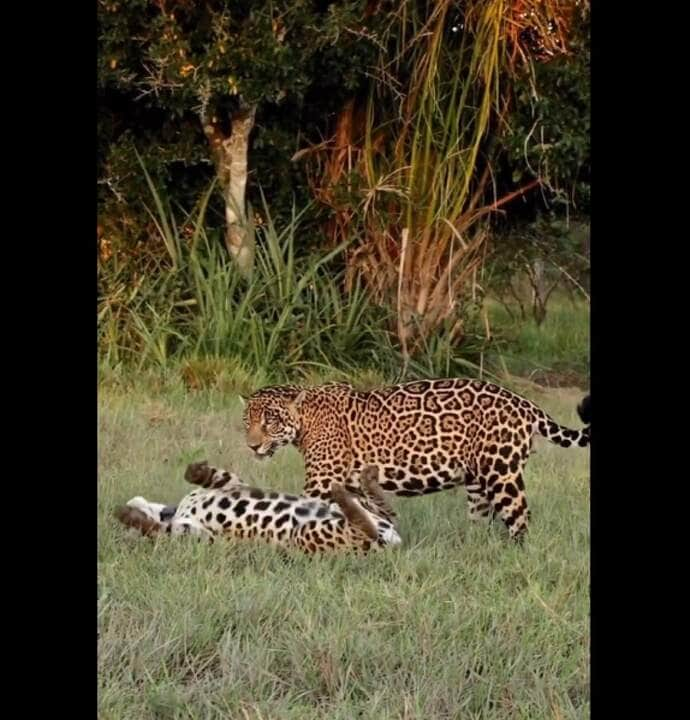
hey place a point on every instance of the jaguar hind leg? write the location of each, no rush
(478, 506)
(507, 497)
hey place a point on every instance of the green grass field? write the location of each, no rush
(456, 623)
(557, 353)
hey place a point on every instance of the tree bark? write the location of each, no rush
(230, 156)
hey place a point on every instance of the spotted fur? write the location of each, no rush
(224, 506)
(424, 436)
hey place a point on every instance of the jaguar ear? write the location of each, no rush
(300, 399)
(297, 402)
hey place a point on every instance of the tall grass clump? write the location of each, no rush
(409, 174)
(291, 319)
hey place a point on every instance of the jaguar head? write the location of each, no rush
(272, 418)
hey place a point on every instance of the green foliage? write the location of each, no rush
(549, 125)
(176, 52)
(166, 291)
(553, 353)
(563, 246)
(292, 318)
(160, 64)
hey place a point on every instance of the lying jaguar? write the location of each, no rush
(223, 505)
(424, 436)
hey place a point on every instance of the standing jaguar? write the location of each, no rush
(225, 506)
(424, 436)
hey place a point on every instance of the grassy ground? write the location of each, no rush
(557, 353)
(456, 623)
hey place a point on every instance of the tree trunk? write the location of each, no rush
(538, 291)
(539, 284)
(230, 155)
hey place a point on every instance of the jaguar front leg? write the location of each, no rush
(368, 487)
(323, 467)
(138, 516)
(508, 501)
(478, 506)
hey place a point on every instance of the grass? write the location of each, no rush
(191, 315)
(292, 319)
(554, 354)
(456, 623)
(559, 347)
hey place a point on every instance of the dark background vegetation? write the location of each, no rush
(377, 124)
